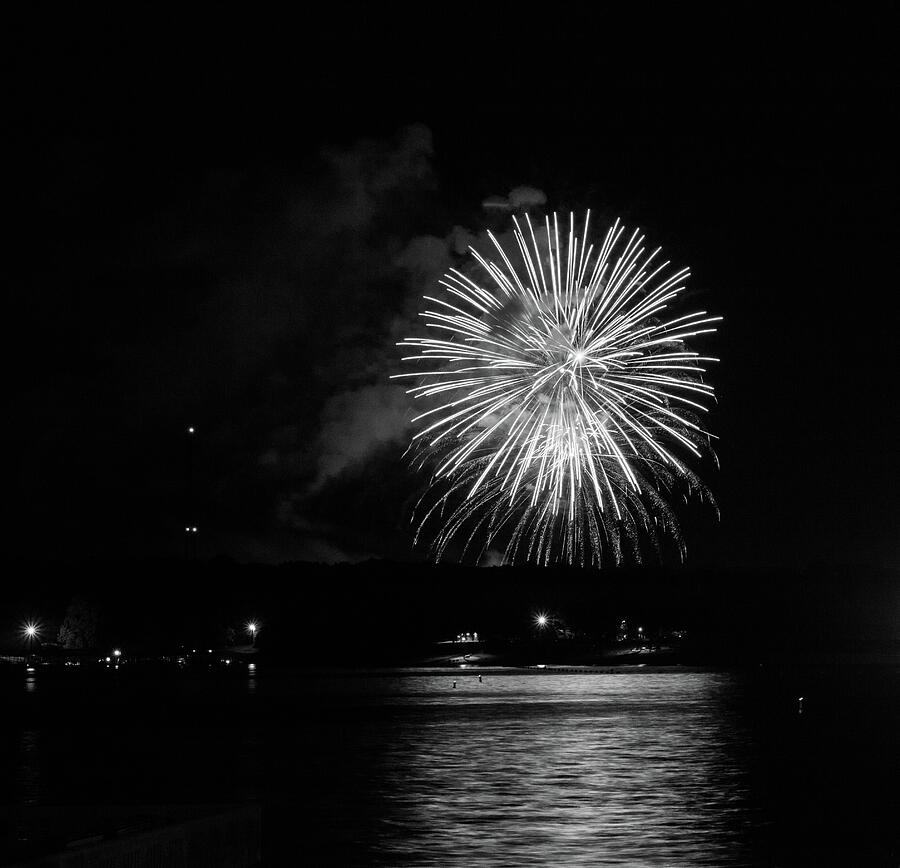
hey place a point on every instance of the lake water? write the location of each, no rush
(624, 768)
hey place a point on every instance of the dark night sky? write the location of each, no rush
(228, 225)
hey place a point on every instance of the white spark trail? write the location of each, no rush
(562, 383)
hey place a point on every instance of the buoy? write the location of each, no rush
(800, 706)
(454, 684)
(479, 679)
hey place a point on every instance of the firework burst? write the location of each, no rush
(561, 394)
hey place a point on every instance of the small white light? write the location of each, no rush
(117, 653)
(191, 430)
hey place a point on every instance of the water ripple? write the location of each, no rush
(550, 770)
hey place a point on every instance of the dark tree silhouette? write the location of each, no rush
(79, 626)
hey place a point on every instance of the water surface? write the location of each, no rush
(630, 767)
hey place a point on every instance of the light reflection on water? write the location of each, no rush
(28, 771)
(633, 767)
(548, 769)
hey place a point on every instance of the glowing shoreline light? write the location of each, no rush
(561, 395)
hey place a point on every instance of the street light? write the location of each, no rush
(31, 634)
(252, 629)
(541, 620)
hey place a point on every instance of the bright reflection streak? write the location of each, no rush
(595, 773)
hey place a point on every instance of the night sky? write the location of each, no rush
(229, 226)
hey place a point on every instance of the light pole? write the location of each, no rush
(190, 542)
(253, 629)
(31, 633)
(190, 531)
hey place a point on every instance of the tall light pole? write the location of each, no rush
(252, 629)
(190, 530)
(31, 634)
